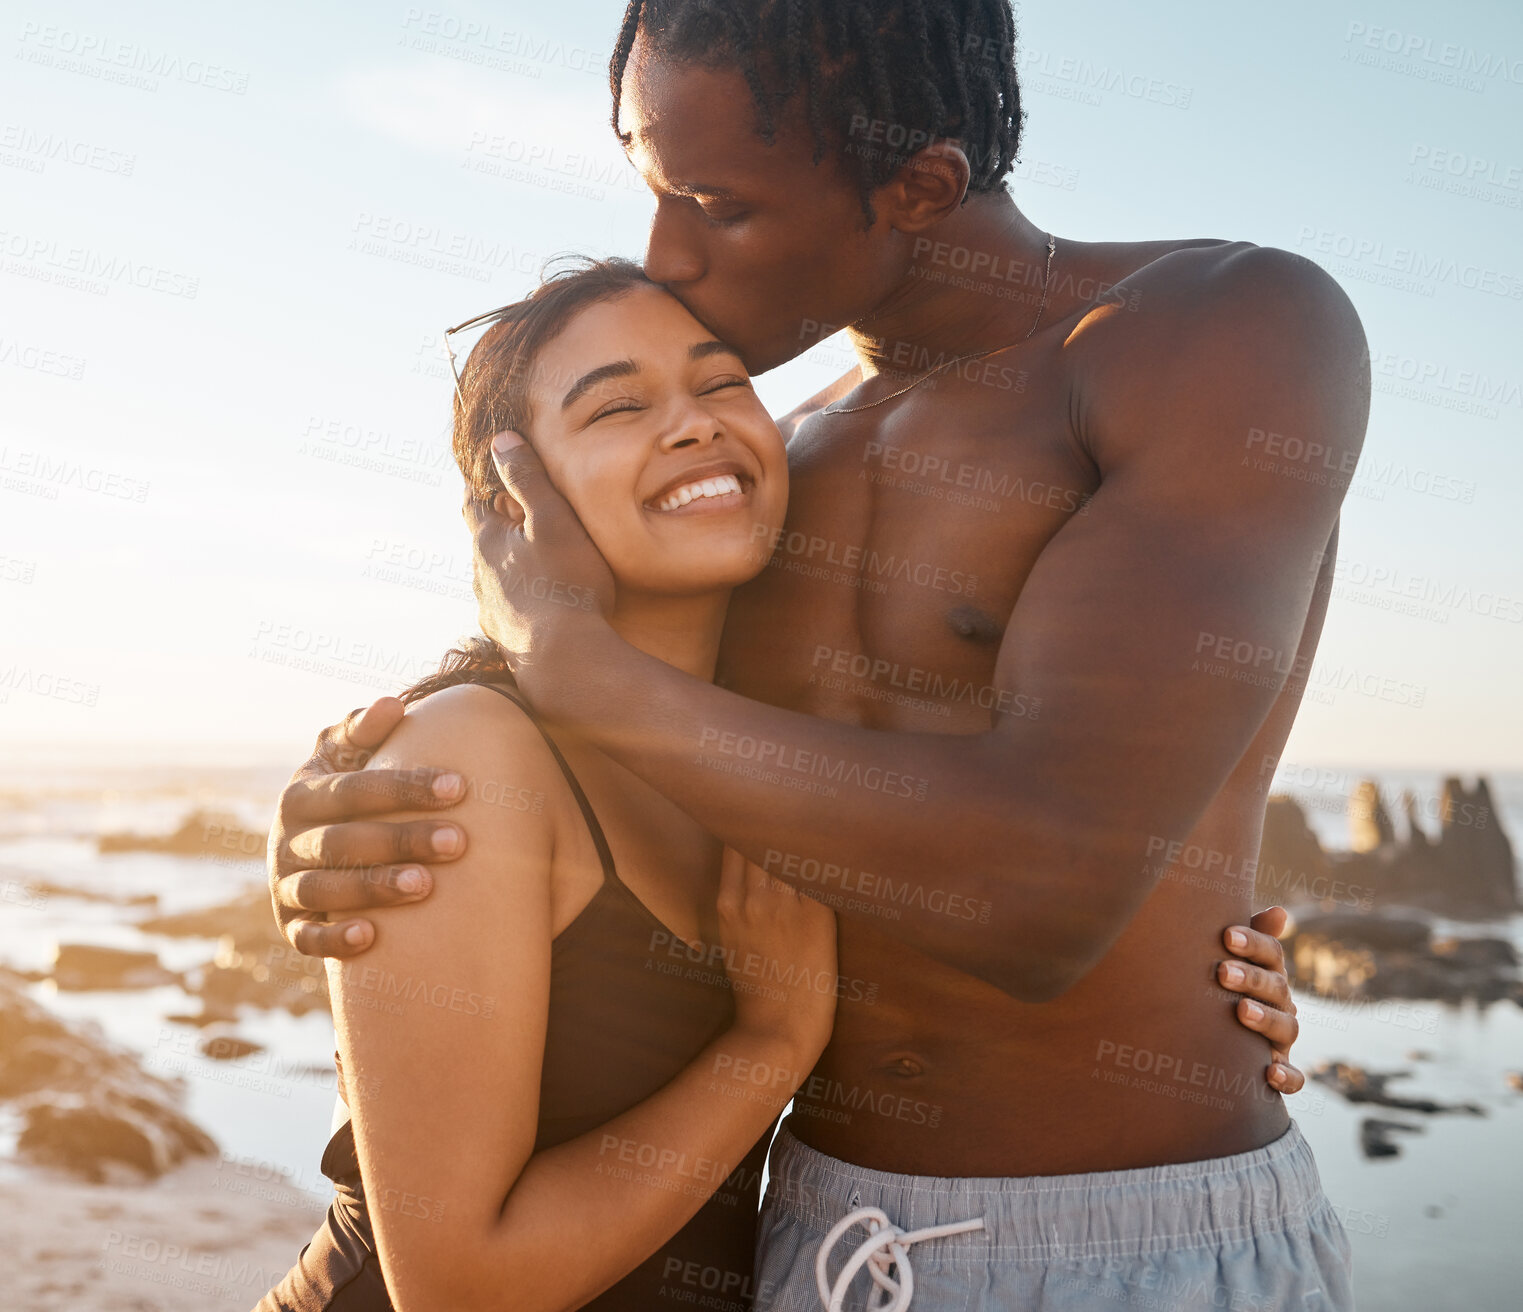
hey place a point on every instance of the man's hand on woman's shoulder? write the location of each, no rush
(330, 856)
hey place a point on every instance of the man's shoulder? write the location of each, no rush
(1200, 323)
(1199, 287)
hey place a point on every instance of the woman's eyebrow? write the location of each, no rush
(701, 350)
(590, 379)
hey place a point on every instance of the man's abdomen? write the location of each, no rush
(1142, 1063)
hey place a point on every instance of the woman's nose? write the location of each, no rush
(691, 426)
(672, 255)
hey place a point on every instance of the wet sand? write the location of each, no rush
(209, 1237)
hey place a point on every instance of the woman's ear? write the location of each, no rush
(506, 506)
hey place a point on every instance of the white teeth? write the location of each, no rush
(723, 485)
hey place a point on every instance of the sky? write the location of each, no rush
(230, 237)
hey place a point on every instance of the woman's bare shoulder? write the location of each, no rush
(486, 738)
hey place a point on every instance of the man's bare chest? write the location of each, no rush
(887, 593)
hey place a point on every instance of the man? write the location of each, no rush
(1009, 696)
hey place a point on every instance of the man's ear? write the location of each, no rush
(506, 505)
(927, 188)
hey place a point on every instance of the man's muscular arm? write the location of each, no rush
(1157, 629)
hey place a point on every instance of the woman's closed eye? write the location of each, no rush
(719, 384)
(618, 406)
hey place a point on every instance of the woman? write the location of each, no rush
(563, 1068)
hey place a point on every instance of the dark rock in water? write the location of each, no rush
(83, 1133)
(254, 965)
(1349, 957)
(1481, 953)
(1375, 1136)
(227, 1047)
(85, 1105)
(1358, 1085)
(1466, 871)
(85, 966)
(1381, 932)
(45, 888)
(203, 833)
(248, 921)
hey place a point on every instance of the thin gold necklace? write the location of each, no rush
(1041, 309)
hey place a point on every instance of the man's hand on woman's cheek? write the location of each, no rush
(330, 857)
(539, 578)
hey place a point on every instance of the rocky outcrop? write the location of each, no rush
(1466, 871)
(84, 966)
(254, 965)
(84, 1105)
(1354, 957)
(204, 833)
(1370, 827)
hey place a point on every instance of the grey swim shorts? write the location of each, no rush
(1248, 1233)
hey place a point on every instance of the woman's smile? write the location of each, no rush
(713, 488)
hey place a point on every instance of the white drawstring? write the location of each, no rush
(882, 1234)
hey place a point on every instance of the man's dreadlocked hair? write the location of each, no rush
(881, 78)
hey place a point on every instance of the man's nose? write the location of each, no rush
(671, 253)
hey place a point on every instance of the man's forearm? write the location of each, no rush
(943, 840)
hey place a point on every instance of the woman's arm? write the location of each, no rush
(442, 1027)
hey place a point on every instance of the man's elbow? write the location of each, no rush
(1042, 954)
(1038, 977)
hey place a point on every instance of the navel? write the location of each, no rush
(973, 624)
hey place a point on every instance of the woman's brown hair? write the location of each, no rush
(495, 389)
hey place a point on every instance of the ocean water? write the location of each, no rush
(1432, 1228)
